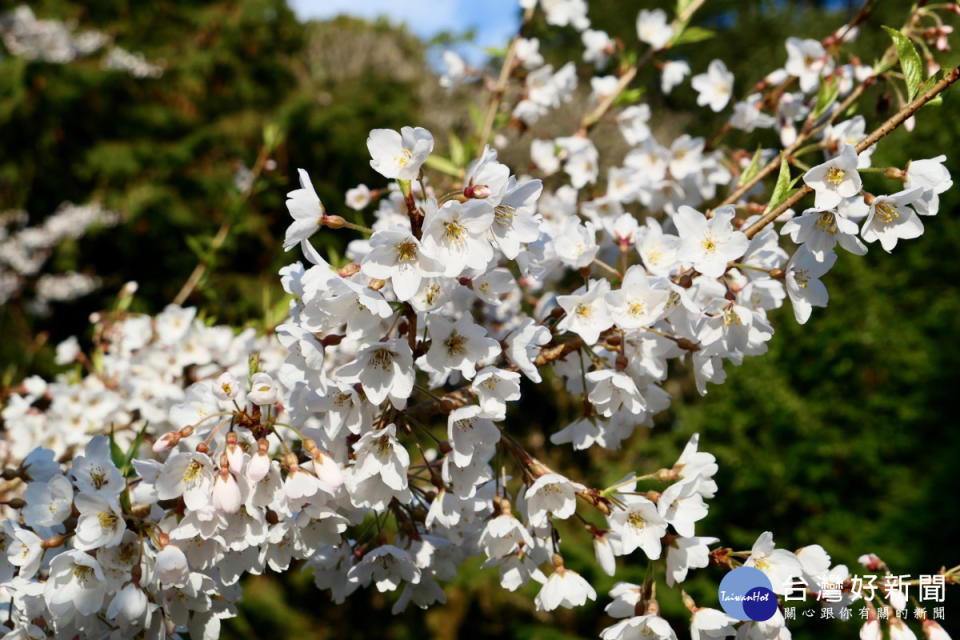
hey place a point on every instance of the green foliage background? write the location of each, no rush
(843, 434)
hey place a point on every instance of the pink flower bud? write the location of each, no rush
(166, 441)
(479, 191)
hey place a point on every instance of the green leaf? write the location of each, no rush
(932, 80)
(628, 97)
(910, 62)
(683, 5)
(495, 52)
(439, 163)
(127, 468)
(476, 116)
(752, 168)
(829, 90)
(116, 453)
(457, 153)
(782, 189)
(272, 136)
(694, 34)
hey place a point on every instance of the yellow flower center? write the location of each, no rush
(827, 222)
(381, 359)
(835, 175)
(886, 213)
(406, 251)
(403, 159)
(455, 343)
(108, 520)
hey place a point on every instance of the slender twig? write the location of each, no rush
(497, 97)
(594, 116)
(194, 279)
(883, 130)
(774, 164)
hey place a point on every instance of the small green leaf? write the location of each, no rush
(272, 136)
(444, 165)
(457, 153)
(693, 34)
(829, 90)
(495, 52)
(782, 189)
(752, 168)
(932, 80)
(910, 63)
(116, 453)
(253, 364)
(628, 97)
(127, 468)
(683, 5)
(198, 245)
(476, 116)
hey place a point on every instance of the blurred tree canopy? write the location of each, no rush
(839, 435)
(171, 154)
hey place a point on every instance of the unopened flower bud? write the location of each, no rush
(166, 441)
(258, 466)
(226, 493)
(348, 270)
(326, 468)
(54, 541)
(203, 447)
(479, 191)
(334, 222)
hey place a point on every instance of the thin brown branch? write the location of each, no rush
(197, 274)
(802, 138)
(501, 87)
(883, 130)
(593, 117)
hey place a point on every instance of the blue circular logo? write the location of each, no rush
(746, 594)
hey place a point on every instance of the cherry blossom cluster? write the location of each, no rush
(369, 436)
(53, 41)
(24, 251)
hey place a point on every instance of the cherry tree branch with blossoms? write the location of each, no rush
(367, 435)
